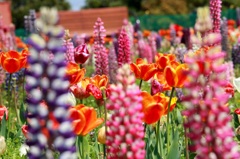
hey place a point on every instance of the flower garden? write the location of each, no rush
(138, 94)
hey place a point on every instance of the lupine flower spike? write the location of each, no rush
(47, 81)
(125, 103)
(101, 62)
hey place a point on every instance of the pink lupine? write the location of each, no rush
(208, 118)
(2, 76)
(100, 52)
(215, 11)
(153, 44)
(113, 65)
(124, 54)
(125, 130)
(68, 44)
(145, 50)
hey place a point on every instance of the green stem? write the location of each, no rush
(15, 106)
(168, 112)
(140, 84)
(158, 135)
(186, 141)
(105, 123)
(83, 154)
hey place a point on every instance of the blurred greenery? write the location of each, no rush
(20, 8)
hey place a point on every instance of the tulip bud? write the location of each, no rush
(3, 110)
(2, 145)
(81, 54)
(25, 130)
(101, 135)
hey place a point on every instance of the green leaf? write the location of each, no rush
(22, 113)
(174, 149)
(236, 121)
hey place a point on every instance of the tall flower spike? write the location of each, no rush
(215, 11)
(125, 130)
(113, 65)
(124, 54)
(208, 118)
(100, 52)
(47, 81)
(68, 44)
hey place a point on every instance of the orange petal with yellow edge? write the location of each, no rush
(170, 76)
(181, 74)
(135, 69)
(91, 119)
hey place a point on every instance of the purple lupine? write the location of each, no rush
(125, 103)
(113, 65)
(236, 55)
(124, 54)
(224, 33)
(215, 12)
(68, 44)
(100, 52)
(29, 22)
(208, 118)
(46, 81)
(180, 51)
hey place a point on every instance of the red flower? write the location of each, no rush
(81, 54)
(94, 91)
(25, 130)
(237, 111)
(3, 110)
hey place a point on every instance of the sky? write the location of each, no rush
(76, 4)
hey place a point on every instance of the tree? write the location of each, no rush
(20, 8)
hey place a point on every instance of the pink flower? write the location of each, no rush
(215, 11)
(125, 103)
(101, 56)
(208, 118)
(124, 54)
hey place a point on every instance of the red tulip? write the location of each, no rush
(3, 110)
(81, 54)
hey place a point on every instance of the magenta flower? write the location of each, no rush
(215, 11)
(68, 44)
(124, 54)
(100, 52)
(208, 118)
(125, 130)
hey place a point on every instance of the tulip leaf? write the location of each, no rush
(22, 113)
(174, 149)
(235, 120)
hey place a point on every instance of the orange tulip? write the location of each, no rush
(84, 119)
(154, 107)
(12, 61)
(74, 73)
(159, 76)
(143, 70)
(99, 81)
(176, 77)
(164, 60)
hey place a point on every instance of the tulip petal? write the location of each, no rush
(170, 76)
(11, 65)
(135, 69)
(153, 113)
(181, 74)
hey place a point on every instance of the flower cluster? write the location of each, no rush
(125, 131)
(46, 81)
(101, 62)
